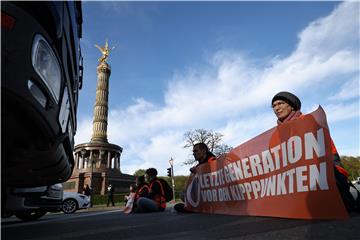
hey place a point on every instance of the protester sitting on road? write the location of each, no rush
(142, 187)
(132, 189)
(142, 190)
(202, 155)
(286, 107)
(155, 200)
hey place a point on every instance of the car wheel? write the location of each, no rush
(69, 206)
(30, 215)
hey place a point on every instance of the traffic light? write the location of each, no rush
(169, 172)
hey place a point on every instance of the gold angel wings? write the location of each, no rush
(105, 51)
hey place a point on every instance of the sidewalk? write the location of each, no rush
(102, 208)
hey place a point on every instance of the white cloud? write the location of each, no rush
(336, 32)
(236, 132)
(342, 111)
(232, 94)
(350, 89)
(84, 131)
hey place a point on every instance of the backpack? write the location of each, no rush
(344, 185)
(168, 191)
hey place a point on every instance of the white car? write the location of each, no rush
(353, 191)
(73, 201)
(31, 203)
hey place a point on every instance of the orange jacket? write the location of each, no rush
(157, 193)
(142, 191)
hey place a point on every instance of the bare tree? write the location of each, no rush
(212, 139)
(223, 148)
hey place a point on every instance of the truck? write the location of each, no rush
(41, 75)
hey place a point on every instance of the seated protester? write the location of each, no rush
(286, 107)
(143, 188)
(132, 189)
(155, 201)
(202, 155)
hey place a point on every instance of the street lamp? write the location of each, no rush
(171, 161)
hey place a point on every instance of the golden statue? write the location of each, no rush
(105, 51)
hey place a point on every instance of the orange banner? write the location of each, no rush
(285, 172)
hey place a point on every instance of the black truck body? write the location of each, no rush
(41, 74)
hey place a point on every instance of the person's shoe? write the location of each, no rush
(180, 207)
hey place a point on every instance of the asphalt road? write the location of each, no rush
(113, 224)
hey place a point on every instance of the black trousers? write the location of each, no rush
(110, 199)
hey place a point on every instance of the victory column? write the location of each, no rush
(97, 163)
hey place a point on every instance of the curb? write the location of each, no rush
(100, 208)
(170, 205)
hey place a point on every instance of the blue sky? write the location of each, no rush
(179, 66)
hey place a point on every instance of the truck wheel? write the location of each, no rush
(30, 215)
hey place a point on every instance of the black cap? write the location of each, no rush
(288, 97)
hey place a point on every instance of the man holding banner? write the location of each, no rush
(202, 155)
(287, 171)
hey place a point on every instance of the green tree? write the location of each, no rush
(139, 172)
(352, 165)
(212, 139)
(180, 183)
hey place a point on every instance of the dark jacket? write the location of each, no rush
(87, 191)
(111, 191)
